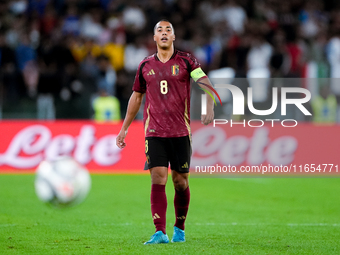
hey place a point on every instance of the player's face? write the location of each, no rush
(164, 35)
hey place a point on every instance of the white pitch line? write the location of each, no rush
(8, 225)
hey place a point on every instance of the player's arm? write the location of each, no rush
(203, 81)
(132, 110)
(209, 117)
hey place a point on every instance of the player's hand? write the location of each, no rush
(120, 139)
(209, 117)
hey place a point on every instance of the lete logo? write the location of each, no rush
(211, 146)
(35, 143)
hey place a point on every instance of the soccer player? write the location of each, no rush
(164, 78)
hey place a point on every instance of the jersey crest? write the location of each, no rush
(175, 70)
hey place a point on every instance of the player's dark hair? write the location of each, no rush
(155, 27)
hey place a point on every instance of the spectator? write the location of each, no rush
(49, 80)
(18, 6)
(296, 52)
(279, 61)
(134, 18)
(81, 47)
(279, 38)
(114, 47)
(134, 53)
(106, 75)
(15, 31)
(106, 107)
(71, 22)
(8, 71)
(259, 54)
(324, 107)
(90, 24)
(25, 52)
(312, 19)
(235, 16)
(203, 50)
(37, 6)
(333, 55)
(26, 57)
(48, 21)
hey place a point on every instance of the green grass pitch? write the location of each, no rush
(226, 216)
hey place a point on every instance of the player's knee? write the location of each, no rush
(158, 178)
(180, 184)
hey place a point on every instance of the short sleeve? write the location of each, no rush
(195, 68)
(193, 62)
(139, 84)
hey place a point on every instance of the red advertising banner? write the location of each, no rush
(304, 149)
(24, 144)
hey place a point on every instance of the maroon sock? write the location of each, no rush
(181, 202)
(158, 206)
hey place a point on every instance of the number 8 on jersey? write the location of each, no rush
(164, 87)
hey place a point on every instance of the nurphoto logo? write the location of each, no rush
(239, 105)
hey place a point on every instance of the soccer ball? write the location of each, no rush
(62, 182)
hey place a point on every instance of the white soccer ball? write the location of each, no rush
(62, 182)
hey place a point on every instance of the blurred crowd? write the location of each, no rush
(62, 53)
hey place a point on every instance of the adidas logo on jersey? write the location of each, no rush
(152, 72)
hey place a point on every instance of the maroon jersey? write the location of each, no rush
(167, 88)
